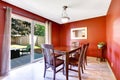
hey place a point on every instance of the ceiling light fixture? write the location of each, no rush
(65, 17)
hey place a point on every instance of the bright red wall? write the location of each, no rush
(113, 37)
(55, 34)
(19, 11)
(96, 31)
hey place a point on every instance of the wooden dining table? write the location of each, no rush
(66, 50)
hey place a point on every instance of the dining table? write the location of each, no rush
(66, 50)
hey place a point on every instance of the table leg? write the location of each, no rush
(66, 65)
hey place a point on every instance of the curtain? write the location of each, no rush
(5, 67)
(48, 31)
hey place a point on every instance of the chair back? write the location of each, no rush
(48, 52)
(86, 48)
(81, 51)
(87, 45)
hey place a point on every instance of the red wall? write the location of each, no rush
(96, 28)
(19, 11)
(113, 37)
(55, 34)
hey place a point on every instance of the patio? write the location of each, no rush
(23, 60)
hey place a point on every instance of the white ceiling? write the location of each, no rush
(52, 9)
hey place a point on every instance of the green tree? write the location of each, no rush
(39, 30)
(20, 27)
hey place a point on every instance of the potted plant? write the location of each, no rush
(101, 45)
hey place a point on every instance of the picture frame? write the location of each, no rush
(79, 33)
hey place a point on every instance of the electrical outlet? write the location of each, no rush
(111, 64)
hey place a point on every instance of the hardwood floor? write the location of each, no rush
(95, 70)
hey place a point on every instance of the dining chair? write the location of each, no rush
(78, 61)
(85, 56)
(50, 60)
(86, 45)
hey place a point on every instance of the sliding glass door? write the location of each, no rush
(26, 38)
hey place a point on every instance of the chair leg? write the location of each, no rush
(70, 66)
(79, 73)
(84, 64)
(54, 74)
(44, 71)
(82, 68)
(86, 60)
(63, 70)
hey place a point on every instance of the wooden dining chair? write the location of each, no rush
(85, 56)
(84, 62)
(50, 60)
(78, 61)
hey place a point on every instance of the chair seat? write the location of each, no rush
(59, 62)
(57, 55)
(76, 56)
(73, 61)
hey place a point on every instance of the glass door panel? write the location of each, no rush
(20, 42)
(39, 38)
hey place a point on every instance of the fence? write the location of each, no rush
(24, 40)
